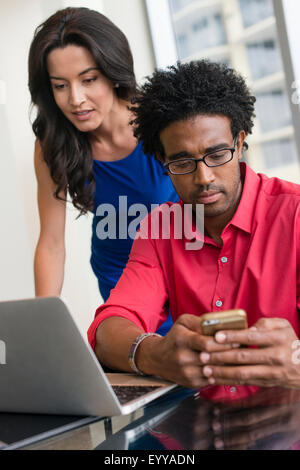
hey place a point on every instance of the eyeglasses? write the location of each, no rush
(184, 166)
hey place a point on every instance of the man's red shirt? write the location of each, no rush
(256, 269)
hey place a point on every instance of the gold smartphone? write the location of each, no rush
(228, 320)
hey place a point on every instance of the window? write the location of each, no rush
(201, 30)
(254, 11)
(200, 25)
(280, 153)
(182, 44)
(243, 35)
(273, 110)
(264, 58)
(179, 4)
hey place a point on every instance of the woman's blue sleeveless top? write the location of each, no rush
(138, 179)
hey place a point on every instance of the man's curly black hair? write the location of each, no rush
(186, 90)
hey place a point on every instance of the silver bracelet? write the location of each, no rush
(133, 349)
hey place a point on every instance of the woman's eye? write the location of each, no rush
(59, 87)
(89, 80)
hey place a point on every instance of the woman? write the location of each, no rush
(81, 81)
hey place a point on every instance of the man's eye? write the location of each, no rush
(182, 164)
(218, 156)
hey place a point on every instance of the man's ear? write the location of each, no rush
(159, 157)
(240, 144)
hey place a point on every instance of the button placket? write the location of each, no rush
(222, 261)
(230, 388)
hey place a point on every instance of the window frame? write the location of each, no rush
(165, 48)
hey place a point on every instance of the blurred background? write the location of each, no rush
(259, 38)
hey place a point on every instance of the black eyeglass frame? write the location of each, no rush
(198, 160)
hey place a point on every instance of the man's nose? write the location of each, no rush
(76, 97)
(203, 174)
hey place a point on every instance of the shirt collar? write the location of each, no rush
(244, 214)
(245, 211)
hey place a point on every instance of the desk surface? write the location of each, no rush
(270, 419)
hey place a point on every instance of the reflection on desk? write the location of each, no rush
(270, 419)
(182, 419)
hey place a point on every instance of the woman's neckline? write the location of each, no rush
(120, 159)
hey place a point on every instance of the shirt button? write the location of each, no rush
(219, 303)
(232, 389)
(224, 259)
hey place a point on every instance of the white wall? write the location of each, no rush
(130, 16)
(19, 216)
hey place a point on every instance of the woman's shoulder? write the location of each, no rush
(37, 148)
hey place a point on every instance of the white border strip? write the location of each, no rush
(292, 16)
(2, 92)
(162, 33)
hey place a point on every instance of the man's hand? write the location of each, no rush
(269, 364)
(176, 357)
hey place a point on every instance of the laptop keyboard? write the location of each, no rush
(129, 393)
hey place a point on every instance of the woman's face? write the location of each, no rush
(82, 93)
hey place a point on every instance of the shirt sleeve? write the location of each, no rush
(140, 295)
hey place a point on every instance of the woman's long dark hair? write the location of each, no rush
(65, 149)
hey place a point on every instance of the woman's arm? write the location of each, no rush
(49, 258)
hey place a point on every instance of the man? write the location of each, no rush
(195, 118)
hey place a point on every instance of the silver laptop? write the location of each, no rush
(48, 367)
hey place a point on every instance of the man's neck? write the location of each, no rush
(214, 226)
